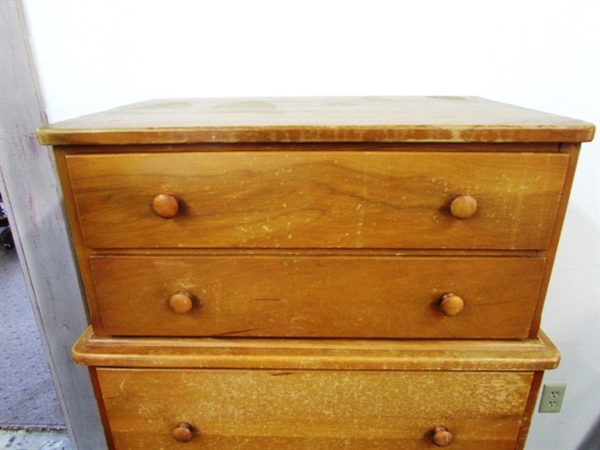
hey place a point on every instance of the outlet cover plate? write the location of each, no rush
(552, 397)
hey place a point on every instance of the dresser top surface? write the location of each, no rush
(316, 119)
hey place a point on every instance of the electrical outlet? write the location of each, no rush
(552, 397)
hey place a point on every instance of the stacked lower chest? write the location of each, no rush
(221, 393)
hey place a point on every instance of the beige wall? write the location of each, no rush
(93, 55)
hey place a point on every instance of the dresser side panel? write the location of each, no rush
(572, 150)
(82, 252)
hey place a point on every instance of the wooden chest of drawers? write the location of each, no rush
(331, 273)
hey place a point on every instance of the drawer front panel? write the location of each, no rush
(292, 296)
(317, 199)
(261, 409)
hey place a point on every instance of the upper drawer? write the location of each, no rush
(317, 199)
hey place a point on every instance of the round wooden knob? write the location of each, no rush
(165, 206)
(184, 432)
(451, 304)
(463, 206)
(181, 302)
(441, 436)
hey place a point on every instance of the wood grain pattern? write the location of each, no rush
(344, 119)
(330, 227)
(318, 199)
(317, 354)
(360, 297)
(312, 409)
(203, 147)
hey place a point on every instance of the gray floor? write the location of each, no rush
(30, 415)
(39, 440)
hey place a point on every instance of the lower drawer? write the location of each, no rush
(309, 296)
(327, 410)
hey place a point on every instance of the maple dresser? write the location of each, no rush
(316, 273)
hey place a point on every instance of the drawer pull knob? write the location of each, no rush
(451, 305)
(441, 436)
(463, 206)
(181, 302)
(184, 432)
(165, 206)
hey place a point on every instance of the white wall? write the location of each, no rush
(97, 54)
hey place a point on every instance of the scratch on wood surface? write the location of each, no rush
(122, 383)
(229, 333)
(360, 206)
(242, 444)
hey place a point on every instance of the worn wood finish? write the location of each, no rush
(317, 354)
(101, 409)
(442, 147)
(316, 273)
(366, 119)
(312, 409)
(304, 296)
(321, 199)
(529, 409)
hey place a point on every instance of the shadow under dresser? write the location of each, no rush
(316, 273)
